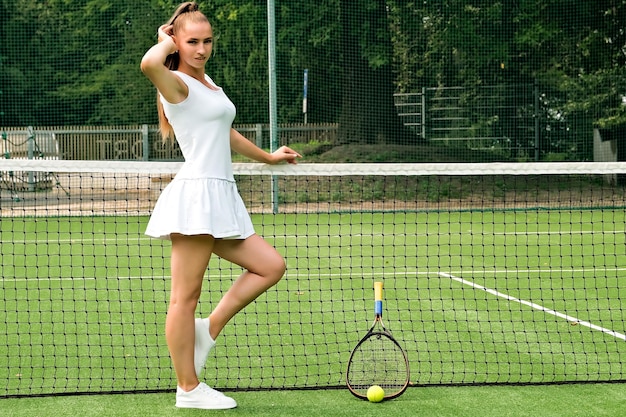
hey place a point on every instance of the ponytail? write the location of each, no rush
(173, 60)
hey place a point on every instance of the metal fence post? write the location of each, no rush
(145, 139)
(259, 135)
(423, 124)
(31, 155)
(536, 100)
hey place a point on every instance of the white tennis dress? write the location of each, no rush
(203, 197)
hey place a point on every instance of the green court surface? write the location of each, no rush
(598, 400)
(493, 296)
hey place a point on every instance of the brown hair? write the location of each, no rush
(186, 12)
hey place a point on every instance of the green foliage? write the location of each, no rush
(65, 62)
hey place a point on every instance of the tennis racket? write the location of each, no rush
(378, 359)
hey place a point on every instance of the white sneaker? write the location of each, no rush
(203, 344)
(203, 397)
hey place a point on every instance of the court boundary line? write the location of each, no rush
(380, 273)
(535, 306)
(106, 237)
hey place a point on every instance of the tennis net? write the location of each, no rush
(493, 273)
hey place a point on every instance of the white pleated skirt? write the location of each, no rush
(209, 206)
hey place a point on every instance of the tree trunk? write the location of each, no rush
(368, 113)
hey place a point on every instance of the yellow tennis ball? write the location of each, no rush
(375, 394)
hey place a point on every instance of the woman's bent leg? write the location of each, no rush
(264, 268)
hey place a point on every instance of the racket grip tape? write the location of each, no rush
(378, 291)
(378, 298)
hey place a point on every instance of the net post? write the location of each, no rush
(271, 53)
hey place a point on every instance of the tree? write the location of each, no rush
(77, 62)
(26, 54)
(307, 40)
(368, 113)
(240, 61)
(74, 62)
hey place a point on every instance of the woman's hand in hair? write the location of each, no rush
(164, 34)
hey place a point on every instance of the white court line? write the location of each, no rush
(142, 237)
(535, 306)
(373, 274)
(558, 232)
(61, 279)
(91, 239)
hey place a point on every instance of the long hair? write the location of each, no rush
(186, 12)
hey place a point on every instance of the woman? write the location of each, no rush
(201, 211)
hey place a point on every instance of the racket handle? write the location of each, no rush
(378, 298)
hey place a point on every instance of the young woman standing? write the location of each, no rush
(201, 211)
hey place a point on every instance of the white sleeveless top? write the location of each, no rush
(203, 197)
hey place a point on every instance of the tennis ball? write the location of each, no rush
(375, 394)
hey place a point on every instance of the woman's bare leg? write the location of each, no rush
(264, 268)
(189, 261)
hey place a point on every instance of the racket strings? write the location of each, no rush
(378, 361)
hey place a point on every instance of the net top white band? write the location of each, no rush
(492, 168)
